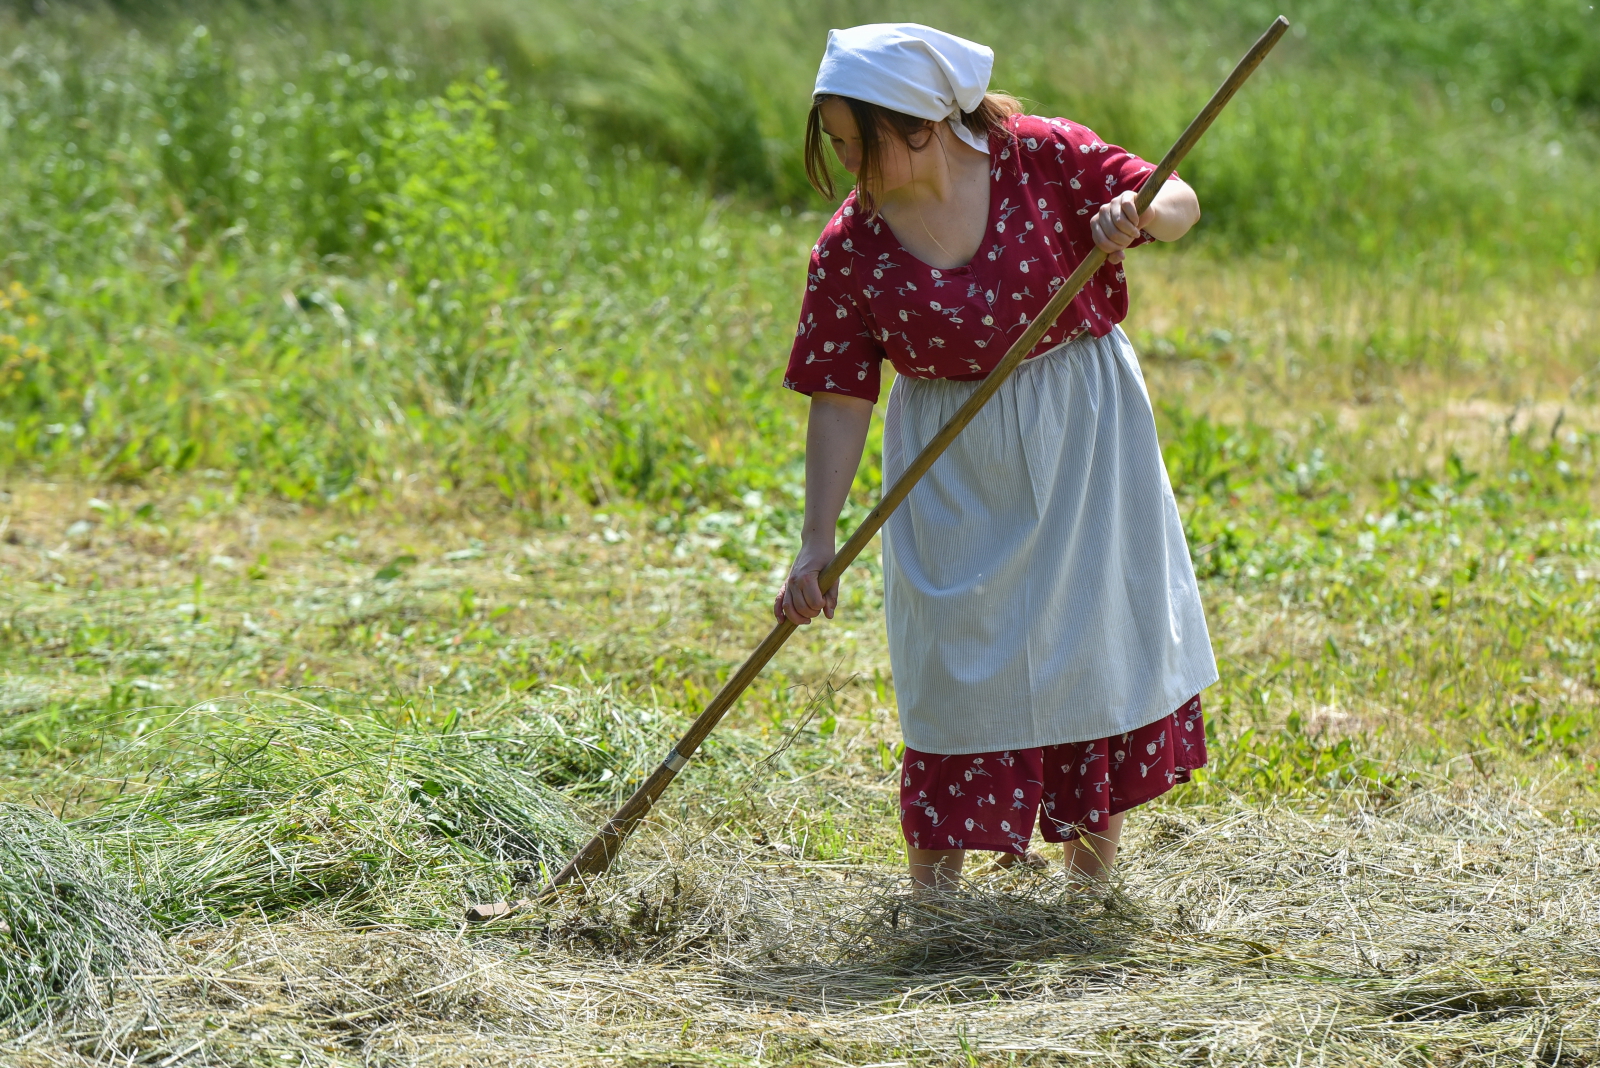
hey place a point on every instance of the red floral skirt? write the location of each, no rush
(990, 800)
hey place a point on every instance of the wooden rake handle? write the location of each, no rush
(595, 857)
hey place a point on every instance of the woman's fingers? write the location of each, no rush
(1111, 241)
(792, 609)
(1099, 230)
(1116, 226)
(802, 598)
(810, 594)
(1126, 215)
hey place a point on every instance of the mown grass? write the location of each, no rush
(394, 460)
(284, 728)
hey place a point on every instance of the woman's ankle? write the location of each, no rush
(935, 870)
(1086, 872)
(1090, 858)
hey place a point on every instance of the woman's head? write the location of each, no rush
(881, 93)
(875, 143)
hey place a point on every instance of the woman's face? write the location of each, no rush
(895, 166)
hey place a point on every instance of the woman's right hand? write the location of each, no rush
(801, 599)
(1116, 225)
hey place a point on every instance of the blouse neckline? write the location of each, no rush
(988, 226)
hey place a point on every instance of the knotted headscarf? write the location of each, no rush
(913, 69)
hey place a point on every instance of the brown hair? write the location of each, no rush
(874, 121)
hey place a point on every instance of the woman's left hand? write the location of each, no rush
(1116, 225)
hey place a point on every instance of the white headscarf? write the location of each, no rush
(909, 68)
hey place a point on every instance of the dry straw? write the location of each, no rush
(1451, 928)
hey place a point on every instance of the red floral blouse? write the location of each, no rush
(868, 299)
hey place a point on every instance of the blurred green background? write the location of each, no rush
(551, 251)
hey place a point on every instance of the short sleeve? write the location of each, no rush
(1095, 170)
(1122, 171)
(834, 349)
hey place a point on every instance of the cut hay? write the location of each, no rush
(1453, 930)
(306, 808)
(70, 933)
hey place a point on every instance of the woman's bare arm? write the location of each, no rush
(835, 435)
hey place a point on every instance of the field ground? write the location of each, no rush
(1391, 860)
(391, 459)
(1456, 927)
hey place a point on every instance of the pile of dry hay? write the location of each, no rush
(1451, 928)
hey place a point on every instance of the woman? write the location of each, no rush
(1045, 629)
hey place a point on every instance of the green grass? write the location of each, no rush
(292, 807)
(394, 460)
(72, 929)
(553, 253)
(283, 727)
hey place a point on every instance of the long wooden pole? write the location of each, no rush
(595, 857)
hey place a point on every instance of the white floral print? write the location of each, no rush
(1069, 788)
(1046, 225)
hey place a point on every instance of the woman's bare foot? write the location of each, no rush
(1089, 859)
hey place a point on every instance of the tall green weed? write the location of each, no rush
(554, 251)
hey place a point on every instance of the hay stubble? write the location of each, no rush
(1456, 927)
